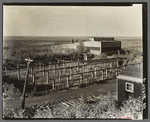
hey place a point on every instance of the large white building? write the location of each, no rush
(103, 45)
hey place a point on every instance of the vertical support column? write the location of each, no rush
(49, 65)
(81, 78)
(33, 78)
(83, 68)
(63, 65)
(106, 73)
(6, 70)
(43, 70)
(18, 72)
(67, 82)
(47, 78)
(117, 64)
(95, 72)
(31, 71)
(53, 84)
(70, 73)
(39, 66)
(111, 66)
(116, 71)
(54, 69)
(59, 76)
(102, 74)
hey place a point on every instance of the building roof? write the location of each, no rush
(132, 74)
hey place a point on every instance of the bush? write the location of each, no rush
(10, 91)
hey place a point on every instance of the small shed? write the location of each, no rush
(129, 83)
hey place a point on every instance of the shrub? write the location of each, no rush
(10, 91)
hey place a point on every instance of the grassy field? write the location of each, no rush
(20, 47)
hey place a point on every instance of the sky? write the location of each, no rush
(72, 20)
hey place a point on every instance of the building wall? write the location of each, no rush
(95, 47)
(101, 38)
(112, 47)
(123, 94)
(72, 46)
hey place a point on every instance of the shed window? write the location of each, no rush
(129, 87)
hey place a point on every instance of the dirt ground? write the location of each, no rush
(58, 96)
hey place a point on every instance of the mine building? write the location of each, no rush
(102, 45)
(129, 83)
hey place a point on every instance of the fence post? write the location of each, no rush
(54, 69)
(110, 66)
(116, 71)
(39, 66)
(63, 64)
(53, 84)
(81, 78)
(47, 78)
(83, 68)
(70, 72)
(59, 76)
(18, 72)
(33, 78)
(6, 70)
(102, 74)
(117, 64)
(95, 72)
(31, 70)
(106, 73)
(67, 82)
(49, 65)
(44, 71)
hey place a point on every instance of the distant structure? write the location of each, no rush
(129, 83)
(102, 45)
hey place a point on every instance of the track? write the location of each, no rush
(64, 95)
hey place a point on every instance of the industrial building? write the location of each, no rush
(129, 83)
(103, 45)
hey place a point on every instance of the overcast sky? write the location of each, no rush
(72, 21)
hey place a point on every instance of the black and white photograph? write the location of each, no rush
(73, 62)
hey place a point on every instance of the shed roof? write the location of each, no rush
(132, 74)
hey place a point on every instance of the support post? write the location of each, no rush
(102, 74)
(6, 70)
(117, 64)
(18, 72)
(31, 71)
(53, 84)
(44, 71)
(39, 66)
(116, 71)
(106, 74)
(25, 84)
(67, 82)
(59, 76)
(33, 78)
(95, 72)
(110, 66)
(49, 65)
(47, 78)
(54, 69)
(81, 78)
(70, 72)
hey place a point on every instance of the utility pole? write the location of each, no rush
(25, 84)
